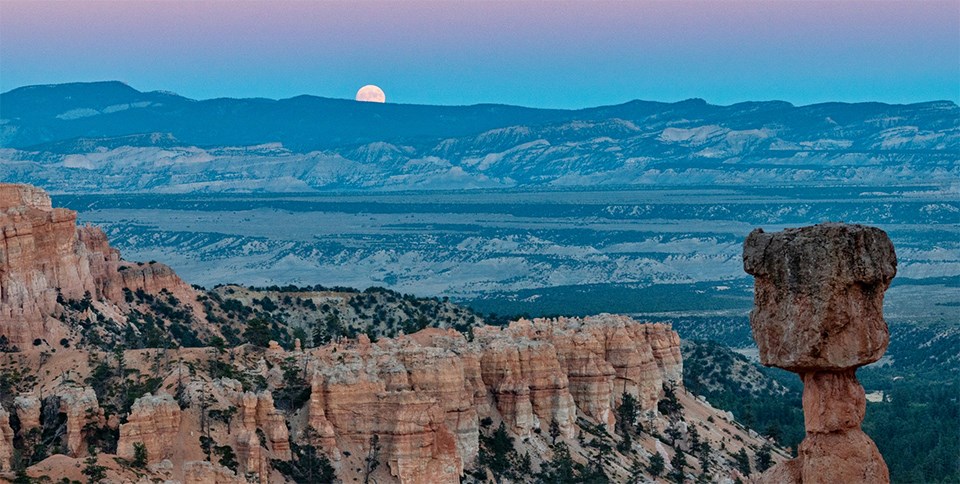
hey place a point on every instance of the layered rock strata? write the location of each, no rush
(6, 441)
(154, 421)
(81, 408)
(818, 312)
(423, 395)
(44, 257)
(28, 412)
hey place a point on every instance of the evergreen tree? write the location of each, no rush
(561, 469)
(669, 405)
(92, 468)
(501, 446)
(657, 465)
(258, 332)
(140, 458)
(373, 458)
(764, 461)
(525, 467)
(678, 462)
(743, 462)
(554, 430)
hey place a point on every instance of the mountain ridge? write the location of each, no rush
(111, 138)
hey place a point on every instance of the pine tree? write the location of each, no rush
(257, 332)
(764, 460)
(373, 458)
(140, 458)
(743, 462)
(560, 469)
(678, 462)
(92, 468)
(657, 464)
(554, 430)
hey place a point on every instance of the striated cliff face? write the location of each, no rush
(45, 257)
(6, 440)
(423, 395)
(154, 421)
(819, 313)
(424, 407)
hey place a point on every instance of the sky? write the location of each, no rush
(565, 54)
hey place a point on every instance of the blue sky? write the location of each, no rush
(549, 54)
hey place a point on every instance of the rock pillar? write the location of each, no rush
(818, 312)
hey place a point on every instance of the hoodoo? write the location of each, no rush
(818, 312)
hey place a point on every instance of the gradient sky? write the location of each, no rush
(534, 53)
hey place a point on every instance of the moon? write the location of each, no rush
(371, 94)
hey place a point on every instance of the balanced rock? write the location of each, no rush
(819, 295)
(818, 311)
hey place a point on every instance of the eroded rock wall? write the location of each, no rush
(154, 421)
(423, 395)
(44, 255)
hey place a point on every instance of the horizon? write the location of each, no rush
(569, 56)
(482, 103)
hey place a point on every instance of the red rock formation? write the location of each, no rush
(43, 253)
(153, 421)
(80, 406)
(422, 395)
(258, 412)
(28, 412)
(818, 311)
(203, 472)
(364, 390)
(6, 441)
(249, 452)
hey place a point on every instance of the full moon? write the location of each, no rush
(372, 94)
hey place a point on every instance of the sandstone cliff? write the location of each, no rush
(424, 394)
(154, 421)
(433, 406)
(45, 259)
(6, 441)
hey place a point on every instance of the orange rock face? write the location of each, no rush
(257, 411)
(153, 421)
(80, 406)
(819, 312)
(6, 441)
(423, 395)
(28, 411)
(43, 253)
(819, 295)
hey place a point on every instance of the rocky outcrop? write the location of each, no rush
(81, 408)
(258, 412)
(422, 396)
(6, 441)
(154, 421)
(818, 312)
(44, 257)
(203, 472)
(401, 393)
(28, 412)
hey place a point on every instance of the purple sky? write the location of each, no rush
(556, 54)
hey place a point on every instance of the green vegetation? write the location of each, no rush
(765, 399)
(916, 430)
(140, 458)
(914, 426)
